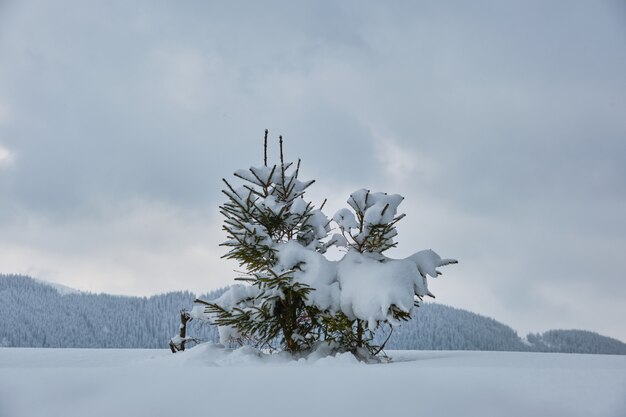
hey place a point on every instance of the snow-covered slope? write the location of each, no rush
(61, 289)
(212, 382)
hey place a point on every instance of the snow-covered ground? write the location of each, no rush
(209, 381)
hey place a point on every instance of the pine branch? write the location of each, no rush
(230, 188)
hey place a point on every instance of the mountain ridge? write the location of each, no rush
(59, 316)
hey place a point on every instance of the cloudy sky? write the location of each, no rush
(502, 123)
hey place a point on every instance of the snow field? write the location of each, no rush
(210, 381)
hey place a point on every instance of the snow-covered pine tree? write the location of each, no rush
(397, 286)
(292, 297)
(268, 211)
(368, 230)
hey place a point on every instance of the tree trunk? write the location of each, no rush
(359, 333)
(178, 344)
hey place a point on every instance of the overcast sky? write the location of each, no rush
(502, 123)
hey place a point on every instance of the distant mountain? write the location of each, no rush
(439, 327)
(39, 314)
(575, 341)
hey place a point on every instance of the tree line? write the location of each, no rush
(35, 314)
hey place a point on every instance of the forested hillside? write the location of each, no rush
(38, 314)
(575, 341)
(439, 327)
(35, 314)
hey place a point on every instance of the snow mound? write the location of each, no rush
(211, 354)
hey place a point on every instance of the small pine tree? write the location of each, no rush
(291, 297)
(267, 210)
(368, 230)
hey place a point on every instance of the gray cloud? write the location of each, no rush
(502, 124)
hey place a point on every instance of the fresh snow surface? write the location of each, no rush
(211, 381)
